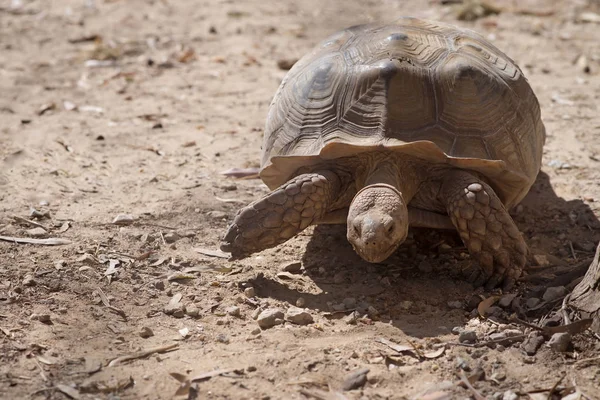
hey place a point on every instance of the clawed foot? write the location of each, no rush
(280, 215)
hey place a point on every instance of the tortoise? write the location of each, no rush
(386, 126)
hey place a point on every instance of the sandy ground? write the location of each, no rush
(136, 107)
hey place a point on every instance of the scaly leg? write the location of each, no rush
(486, 229)
(281, 214)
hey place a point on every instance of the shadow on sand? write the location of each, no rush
(413, 288)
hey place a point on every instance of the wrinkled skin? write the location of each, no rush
(377, 222)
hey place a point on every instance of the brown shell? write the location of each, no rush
(419, 87)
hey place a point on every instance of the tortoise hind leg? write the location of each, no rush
(281, 214)
(486, 229)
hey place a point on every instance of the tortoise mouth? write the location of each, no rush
(376, 254)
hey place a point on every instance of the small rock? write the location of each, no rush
(146, 332)
(510, 395)
(255, 331)
(372, 311)
(444, 248)
(87, 259)
(300, 302)
(560, 342)
(192, 310)
(406, 305)
(270, 317)
(222, 338)
(175, 307)
(506, 300)
(28, 280)
(532, 302)
(293, 267)
(43, 318)
(425, 266)
(249, 292)
(532, 343)
(352, 318)
(298, 316)
(171, 237)
(494, 311)
(217, 214)
(234, 311)
(462, 364)
(467, 336)
(251, 368)
(36, 232)
(555, 293)
(123, 219)
(355, 379)
(159, 285)
(256, 313)
(456, 330)
(457, 305)
(349, 302)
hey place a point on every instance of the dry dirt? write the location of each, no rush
(178, 93)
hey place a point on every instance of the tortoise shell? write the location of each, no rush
(429, 90)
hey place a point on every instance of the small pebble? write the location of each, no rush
(462, 364)
(300, 302)
(555, 293)
(467, 336)
(456, 305)
(123, 219)
(36, 232)
(192, 310)
(234, 311)
(249, 292)
(146, 332)
(256, 313)
(510, 395)
(43, 318)
(355, 379)
(349, 302)
(175, 309)
(298, 316)
(532, 343)
(270, 317)
(293, 267)
(29, 280)
(532, 302)
(217, 214)
(255, 331)
(171, 237)
(506, 300)
(560, 342)
(222, 338)
(372, 311)
(456, 330)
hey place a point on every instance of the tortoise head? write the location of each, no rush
(377, 222)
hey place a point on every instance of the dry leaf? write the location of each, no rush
(242, 172)
(211, 252)
(574, 328)
(400, 348)
(435, 353)
(486, 304)
(43, 242)
(69, 391)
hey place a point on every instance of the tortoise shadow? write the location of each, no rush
(414, 290)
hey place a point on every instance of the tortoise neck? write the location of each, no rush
(402, 176)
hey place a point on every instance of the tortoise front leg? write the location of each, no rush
(281, 214)
(486, 228)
